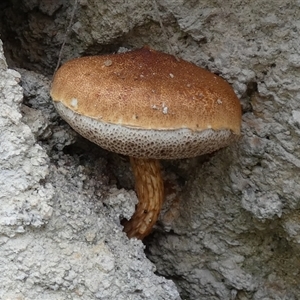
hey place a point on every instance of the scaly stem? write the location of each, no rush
(150, 192)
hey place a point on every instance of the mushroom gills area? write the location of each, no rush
(146, 143)
(150, 191)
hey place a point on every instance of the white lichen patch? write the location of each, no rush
(74, 103)
(108, 63)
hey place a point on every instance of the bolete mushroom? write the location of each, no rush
(147, 105)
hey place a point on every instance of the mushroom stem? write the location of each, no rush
(150, 192)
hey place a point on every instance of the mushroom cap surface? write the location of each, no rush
(147, 104)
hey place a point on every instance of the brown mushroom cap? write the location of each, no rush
(145, 103)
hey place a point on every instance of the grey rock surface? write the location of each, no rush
(233, 230)
(23, 164)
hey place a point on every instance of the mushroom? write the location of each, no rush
(148, 105)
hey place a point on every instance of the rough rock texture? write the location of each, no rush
(233, 232)
(23, 163)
